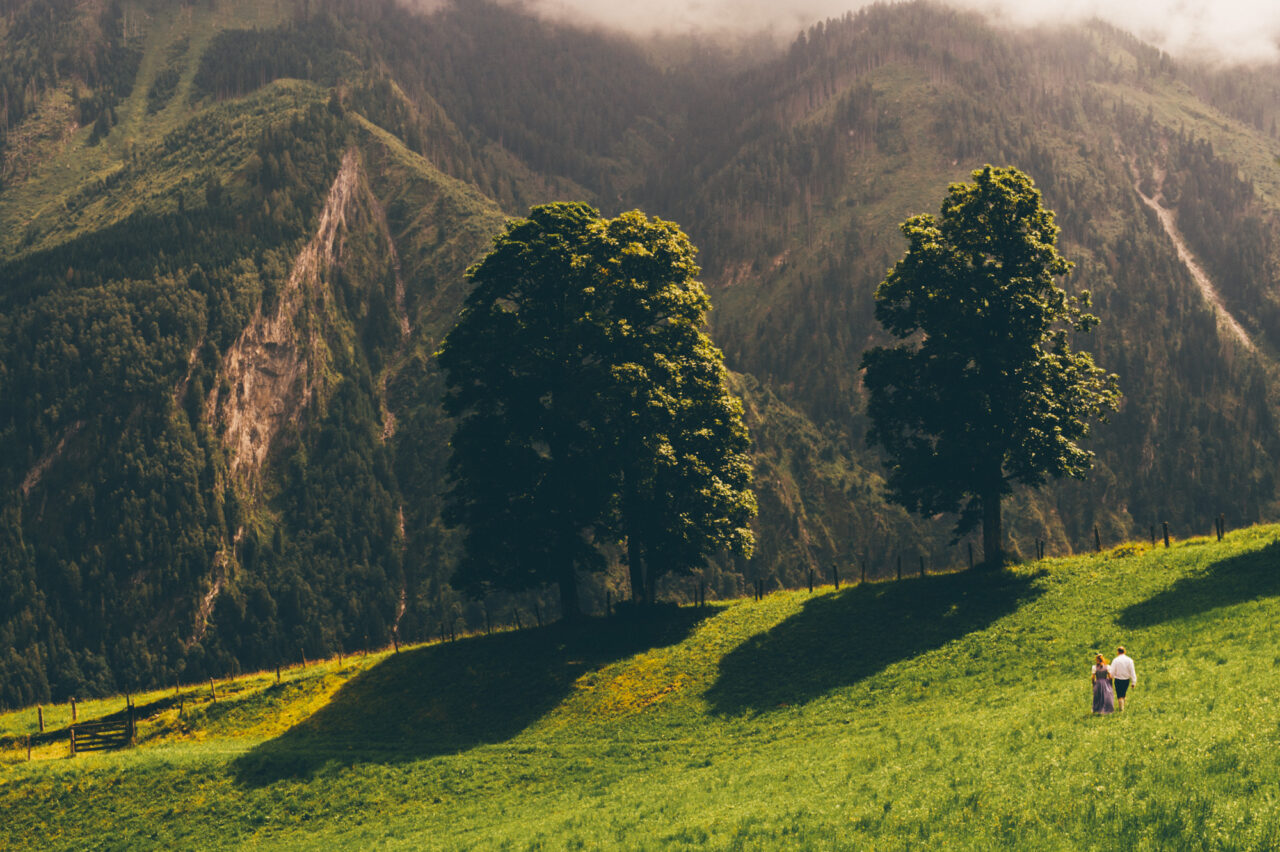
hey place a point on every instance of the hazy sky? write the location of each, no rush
(1234, 30)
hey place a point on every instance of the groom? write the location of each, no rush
(1123, 674)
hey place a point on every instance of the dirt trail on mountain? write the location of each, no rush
(1210, 293)
(41, 467)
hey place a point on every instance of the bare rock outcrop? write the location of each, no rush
(278, 363)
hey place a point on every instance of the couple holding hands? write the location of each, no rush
(1111, 681)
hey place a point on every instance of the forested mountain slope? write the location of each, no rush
(232, 234)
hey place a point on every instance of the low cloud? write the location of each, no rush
(1238, 31)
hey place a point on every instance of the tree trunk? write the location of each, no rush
(635, 566)
(569, 608)
(992, 552)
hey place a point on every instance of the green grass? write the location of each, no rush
(943, 712)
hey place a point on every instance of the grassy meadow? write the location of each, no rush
(947, 711)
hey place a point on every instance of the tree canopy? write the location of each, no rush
(592, 409)
(985, 391)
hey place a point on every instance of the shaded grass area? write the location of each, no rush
(441, 699)
(838, 640)
(1246, 577)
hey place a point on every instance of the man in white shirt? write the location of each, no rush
(1123, 674)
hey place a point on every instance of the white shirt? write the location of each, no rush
(1122, 667)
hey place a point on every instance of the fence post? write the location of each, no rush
(1153, 535)
(811, 580)
(73, 708)
(28, 748)
(277, 673)
(40, 717)
(1097, 539)
(213, 695)
(133, 732)
(1165, 524)
(73, 740)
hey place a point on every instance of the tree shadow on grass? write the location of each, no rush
(1234, 580)
(441, 699)
(838, 640)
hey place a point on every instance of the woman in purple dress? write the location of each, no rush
(1104, 701)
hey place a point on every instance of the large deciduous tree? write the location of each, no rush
(678, 446)
(591, 408)
(985, 390)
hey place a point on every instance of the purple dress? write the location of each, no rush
(1104, 700)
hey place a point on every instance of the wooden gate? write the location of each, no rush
(100, 736)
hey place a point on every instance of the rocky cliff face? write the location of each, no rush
(279, 363)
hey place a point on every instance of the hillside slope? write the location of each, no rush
(945, 711)
(233, 234)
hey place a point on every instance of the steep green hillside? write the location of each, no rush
(948, 711)
(232, 235)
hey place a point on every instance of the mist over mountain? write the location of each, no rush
(1232, 31)
(232, 236)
